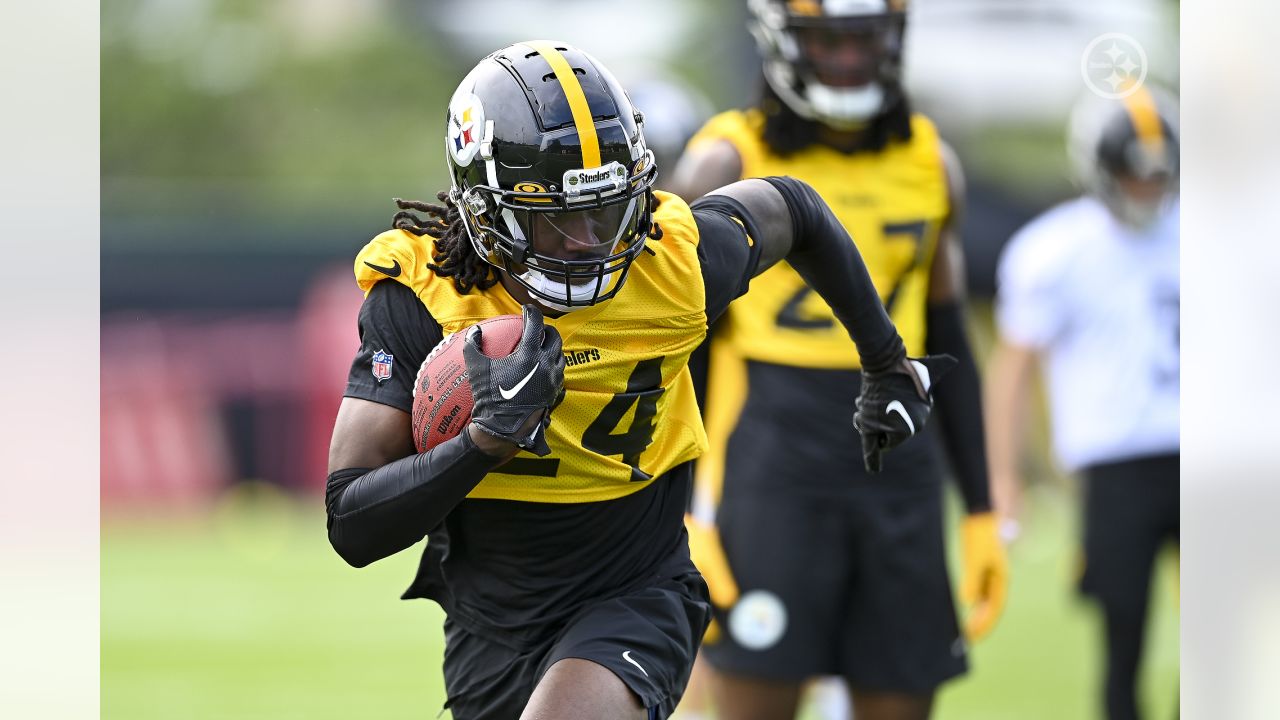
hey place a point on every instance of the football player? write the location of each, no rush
(555, 520)
(1090, 290)
(830, 570)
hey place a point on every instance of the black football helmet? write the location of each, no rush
(1134, 138)
(837, 62)
(550, 172)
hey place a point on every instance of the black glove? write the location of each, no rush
(507, 391)
(894, 404)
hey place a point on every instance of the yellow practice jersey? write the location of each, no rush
(892, 202)
(629, 413)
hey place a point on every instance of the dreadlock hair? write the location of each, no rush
(655, 230)
(455, 257)
(787, 132)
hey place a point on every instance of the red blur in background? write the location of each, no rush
(191, 406)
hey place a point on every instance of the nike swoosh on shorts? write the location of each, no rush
(627, 656)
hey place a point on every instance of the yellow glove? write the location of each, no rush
(708, 555)
(985, 582)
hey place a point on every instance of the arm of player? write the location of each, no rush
(794, 223)
(1032, 310)
(790, 221)
(381, 497)
(705, 167)
(959, 402)
(985, 568)
(1008, 384)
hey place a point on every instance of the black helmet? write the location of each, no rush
(1133, 137)
(550, 171)
(786, 33)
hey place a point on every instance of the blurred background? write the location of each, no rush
(249, 149)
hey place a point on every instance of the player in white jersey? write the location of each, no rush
(1090, 290)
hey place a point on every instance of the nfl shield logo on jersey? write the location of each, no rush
(382, 361)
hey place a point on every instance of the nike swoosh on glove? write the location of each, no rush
(894, 404)
(708, 556)
(507, 391)
(984, 583)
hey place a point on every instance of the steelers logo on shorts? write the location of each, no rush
(758, 620)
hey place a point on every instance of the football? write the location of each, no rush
(442, 399)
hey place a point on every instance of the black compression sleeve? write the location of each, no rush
(376, 513)
(830, 263)
(959, 406)
(725, 251)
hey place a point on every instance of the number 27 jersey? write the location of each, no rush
(892, 202)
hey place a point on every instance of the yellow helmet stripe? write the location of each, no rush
(1141, 106)
(805, 7)
(582, 119)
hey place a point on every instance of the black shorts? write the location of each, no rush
(1131, 509)
(647, 637)
(855, 586)
(855, 562)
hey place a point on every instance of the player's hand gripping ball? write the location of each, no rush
(497, 372)
(442, 400)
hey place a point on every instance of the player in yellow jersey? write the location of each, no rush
(556, 542)
(831, 571)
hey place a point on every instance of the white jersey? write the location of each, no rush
(1099, 302)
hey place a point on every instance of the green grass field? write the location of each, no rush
(245, 612)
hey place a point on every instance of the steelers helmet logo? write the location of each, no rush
(466, 121)
(758, 620)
